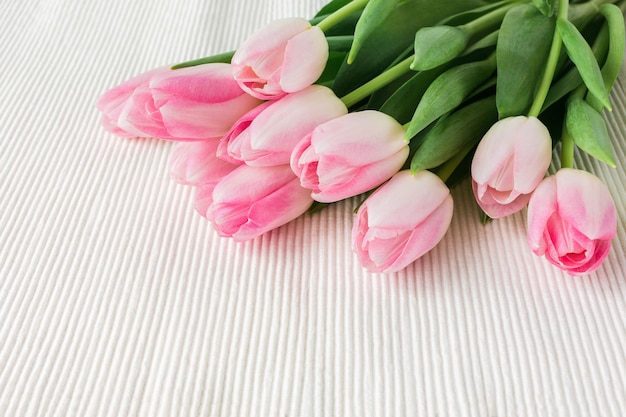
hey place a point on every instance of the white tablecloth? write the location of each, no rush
(117, 299)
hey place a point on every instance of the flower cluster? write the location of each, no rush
(391, 101)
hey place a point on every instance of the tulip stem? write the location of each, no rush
(487, 20)
(567, 149)
(553, 60)
(378, 82)
(341, 14)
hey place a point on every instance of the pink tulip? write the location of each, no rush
(285, 56)
(350, 155)
(571, 221)
(196, 163)
(194, 103)
(267, 134)
(253, 200)
(113, 102)
(401, 221)
(509, 163)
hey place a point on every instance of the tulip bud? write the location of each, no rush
(267, 135)
(115, 100)
(350, 155)
(401, 221)
(196, 163)
(509, 163)
(571, 221)
(253, 200)
(285, 56)
(193, 103)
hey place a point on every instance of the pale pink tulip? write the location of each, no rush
(113, 102)
(401, 221)
(196, 163)
(253, 200)
(283, 57)
(571, 221)
(267, 135)
(350, 155)
(509, 163)
(194, 103)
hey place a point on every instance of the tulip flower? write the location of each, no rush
(571, 221)
(113, 102)
(350, 155)
(267, 134)
(253, 200)
(509, 163)
(401, 221)
(194, 103)
(285, 56)
(196, 163)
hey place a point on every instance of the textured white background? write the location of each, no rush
(116, 299)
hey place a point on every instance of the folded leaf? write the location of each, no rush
(546, 7)
(522, 51)
(374, 15)
(401, 104)
(582, 56)
(588, 129)
(617, 39)
(448, 91)
(437, 45)
(461, 129)
(393, 37)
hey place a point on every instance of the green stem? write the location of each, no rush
(378, 82)
(487, 20)
(339, 15)
(553, 60)
(567, 142)
(567, 149)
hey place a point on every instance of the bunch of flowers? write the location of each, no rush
(392, 101)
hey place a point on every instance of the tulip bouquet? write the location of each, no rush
(392, 101)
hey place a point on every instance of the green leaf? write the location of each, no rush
(331, 7)
(546, 7)
(582, 56)
(522, 51)
(374, 15)
(617, 35)
(339, 43)
(470, 15)
(437, 45)
(588, 129)
(334, 62)
(448, 91)
(487, 41)
(224, 57)
(401, 104)
(565, 85)
(393, 37)
(458, 131)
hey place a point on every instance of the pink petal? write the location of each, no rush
(304, 60)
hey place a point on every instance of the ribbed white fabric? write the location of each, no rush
(116, 299)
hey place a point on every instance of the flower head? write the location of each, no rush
(285, 56)
(267, 134)
(350, 155)
(253, 200)
(510, 161)
(196, 163)
(571, 221)
(194, 103)
(401, 221)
